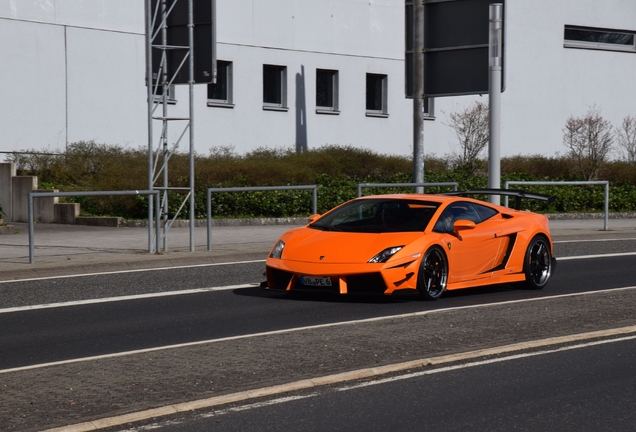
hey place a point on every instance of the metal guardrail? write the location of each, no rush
(33, 195)
(314, 189)
(454, 185)
(569, 183)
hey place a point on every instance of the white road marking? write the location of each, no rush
(580, 257)
(484, 362)
(124, 298)
(349, 377)
(305, 328)
(131, 271)
(594, 240)
(218, 413)
(198, 290)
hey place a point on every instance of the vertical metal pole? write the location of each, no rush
(315, 199)
(150, 104)
(191, 88)
(31, 233)
(164, 133)
(157, 228)
(606, 218)
(208, 209)
(495, 59)
(418, 94)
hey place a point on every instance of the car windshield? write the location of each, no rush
(378, 216)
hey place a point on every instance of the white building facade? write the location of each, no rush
(300, 74)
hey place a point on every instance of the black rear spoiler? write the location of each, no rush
(518, 194)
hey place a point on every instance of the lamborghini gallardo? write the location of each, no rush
(415, 243)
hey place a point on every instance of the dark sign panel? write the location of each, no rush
(456, 36)
(204, 45)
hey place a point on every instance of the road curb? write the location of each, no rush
(336, 379)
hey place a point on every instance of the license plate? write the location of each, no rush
(315, 281)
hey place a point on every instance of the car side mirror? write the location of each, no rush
(313, 217)
(462, 225)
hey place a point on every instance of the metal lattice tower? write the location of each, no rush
(167, 64)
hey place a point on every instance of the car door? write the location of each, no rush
(472, 252)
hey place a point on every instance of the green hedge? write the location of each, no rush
(335, 170)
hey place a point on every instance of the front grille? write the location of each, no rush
(280, 278)
(371, 283)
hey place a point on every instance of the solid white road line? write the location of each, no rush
(132, 271)
(612, 255)
(259, 261)
(124, 298)
(359, 374)
(304, 328)
(594, 240)
(198, 290)
(484, 362)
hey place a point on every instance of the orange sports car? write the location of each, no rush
(426, 244)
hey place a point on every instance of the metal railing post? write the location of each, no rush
(606, 224)
(31, 230)
(209, 221)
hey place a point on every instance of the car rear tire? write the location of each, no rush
(537, 265)
(433, 274)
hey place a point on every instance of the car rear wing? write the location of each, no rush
(518, 194)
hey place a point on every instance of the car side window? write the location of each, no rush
(455, 212)
(484, 212)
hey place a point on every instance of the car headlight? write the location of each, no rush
(385, 254)
(277, 252)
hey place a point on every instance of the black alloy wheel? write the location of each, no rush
(537, 264)
(433, 274)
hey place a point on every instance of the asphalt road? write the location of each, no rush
(62, 333)
(244, 357)
(590, 388)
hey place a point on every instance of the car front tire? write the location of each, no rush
(433, 274)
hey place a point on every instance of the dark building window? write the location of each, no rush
(220, 94)
(593, 38)
(274, 86)
(326, 90)
(376, 95)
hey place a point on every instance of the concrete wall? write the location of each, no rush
(66, 213)
(43, 208)
(7, 171)
(22, 187)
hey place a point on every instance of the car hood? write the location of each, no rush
(311, 245)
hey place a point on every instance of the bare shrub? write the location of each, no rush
(590, 140)
(471, 128)
(626, 138)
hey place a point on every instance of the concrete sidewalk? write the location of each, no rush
(76, 249)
